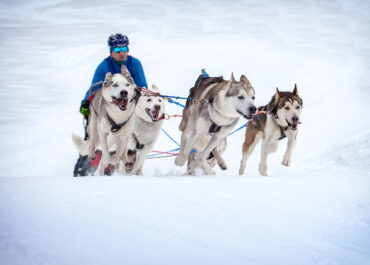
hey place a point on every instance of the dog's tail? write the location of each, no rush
(81, 145)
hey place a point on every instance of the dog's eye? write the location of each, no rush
(287, 108)
(115, 85)
(253, 98)
(127, 84)
(240, 97)
(149, 99)
(160, 100)
(297, 107)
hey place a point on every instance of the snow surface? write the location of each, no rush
(315, 212)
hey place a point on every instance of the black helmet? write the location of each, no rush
(117, 40)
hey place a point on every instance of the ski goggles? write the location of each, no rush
(120, 49)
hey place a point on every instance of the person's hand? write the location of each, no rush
(85, 108)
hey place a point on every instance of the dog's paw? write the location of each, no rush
(180, 160)
(286, 162)
(241, 170)
(223, 166)
(263, 170)
(211, 172)
(91, 157)
(129, 166)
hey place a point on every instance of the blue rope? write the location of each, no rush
(175, 97)
(175, 102)
(170, 137)
(245, 125)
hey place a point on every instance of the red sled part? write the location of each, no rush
(96, 161)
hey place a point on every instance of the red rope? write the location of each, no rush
(175, 154)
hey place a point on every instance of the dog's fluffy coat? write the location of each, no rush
(279, 118)
(216, 111)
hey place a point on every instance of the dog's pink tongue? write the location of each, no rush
(155, 115)
(123, 103)
(115, 101)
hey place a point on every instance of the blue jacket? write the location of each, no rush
(108, 65)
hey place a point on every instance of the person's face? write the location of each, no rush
(119, 56)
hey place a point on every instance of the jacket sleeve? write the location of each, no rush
(139, 76)
(99, 75)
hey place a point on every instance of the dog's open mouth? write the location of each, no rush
(294, 125)
(153, 114)
(120, 102)
(248, 117)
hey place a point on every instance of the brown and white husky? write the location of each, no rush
(277, 120)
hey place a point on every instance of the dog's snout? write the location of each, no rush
(252, 109)
(157, 107)
(295, 119)
(123, 93)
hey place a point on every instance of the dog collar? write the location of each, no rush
(282, 129)
(282, 133)
(116, 127)
(256, 118)
(138, 144)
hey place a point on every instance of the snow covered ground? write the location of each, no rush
(315, 212)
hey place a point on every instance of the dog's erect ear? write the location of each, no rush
(108, 76)
(155, 89)
(107, 79)
(295, 90)
(126, 73)
(232, 79)
(244, 79)
(277, 96)
(124, 70)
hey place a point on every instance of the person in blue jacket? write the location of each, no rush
(118, 47)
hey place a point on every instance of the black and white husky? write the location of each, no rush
(111, 112)
(277, 120)
(215, 110)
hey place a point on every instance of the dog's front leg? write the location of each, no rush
(181, 157)
(288, 153)
(220, 161)
(265, 149)
(105, 156)
(215, 140)
(185, 150)
(200, 160)
(207, 168)
(191, 158)
(140, 158)
(118, 156)
(248, 147)
(123, 150)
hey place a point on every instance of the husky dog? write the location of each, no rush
(215, 110)
(277, 120)
(111, 112)
(148, 117)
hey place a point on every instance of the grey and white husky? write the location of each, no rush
(215, 110)
(279, 119)
(148, 117)
(111, 112)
